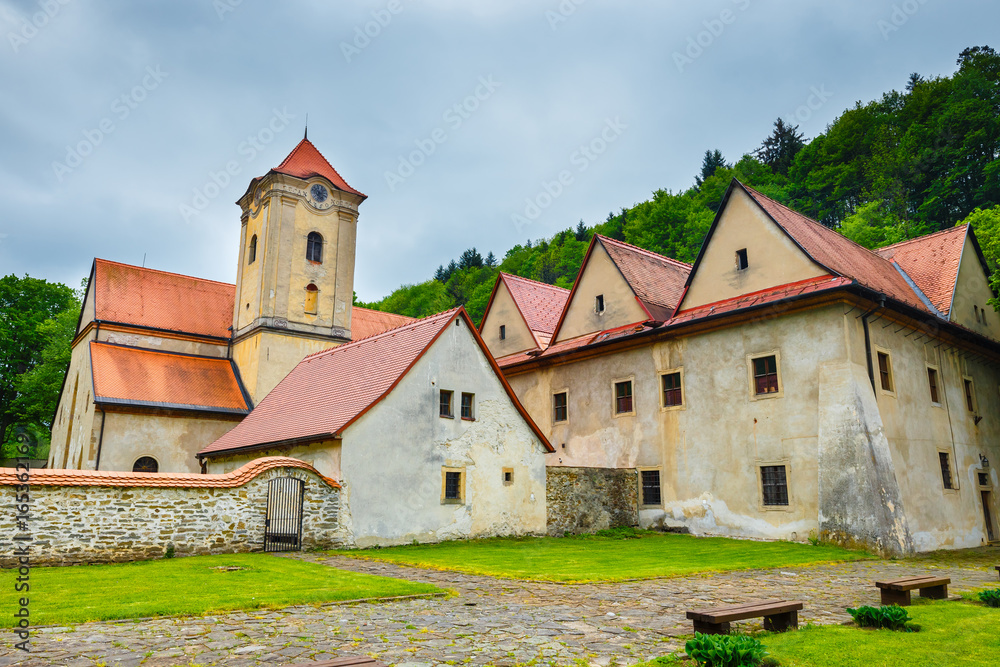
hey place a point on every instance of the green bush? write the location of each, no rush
(990, 598)
(725, 650)
(889, 617)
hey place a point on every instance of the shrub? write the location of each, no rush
(725, 650)
(169, 553)
(890, 617)
(990, 598)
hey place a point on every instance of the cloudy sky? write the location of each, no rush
(457, 117)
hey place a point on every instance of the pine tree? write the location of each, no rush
(491, 260)
(779, 149)
(713, 160)
(914, 81)
(581, 231)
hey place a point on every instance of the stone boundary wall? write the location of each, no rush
(79, 516)
(584, 500)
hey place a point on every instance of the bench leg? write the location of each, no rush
(781, 622)
(902, 598)
(711, 628)
(935, 592)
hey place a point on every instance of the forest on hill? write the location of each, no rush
(911, 163)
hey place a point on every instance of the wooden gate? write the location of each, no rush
(283, 521)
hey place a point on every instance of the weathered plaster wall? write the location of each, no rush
(74, 442)
(265, 358)
(99, 524)
(973, 291)
(171, 439)
(504, 312)
(585, 500)
(165, 343)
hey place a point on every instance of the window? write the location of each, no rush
(741, 260)
(252, 255)
(976, 309)
(623, 397)
(145, 464)
(559, 408)
(984, 479)
(312, 294)
(650, 487)
(503, 332)
(932, 381)
(945, 470)
(672, 390)
(765, 375)
(508, 476)
(599, 304)
(774, 486)
(970, 394)
(885, 370)
(452, 486)
(467, 402)
(314, 248)
(446, 407)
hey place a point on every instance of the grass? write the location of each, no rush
(607, 556)
(189, 586)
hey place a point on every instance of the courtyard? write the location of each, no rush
(491, 620)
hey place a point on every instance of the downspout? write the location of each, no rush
(868, 344)
(100, 438)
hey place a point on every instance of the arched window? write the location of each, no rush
(314, 248)
(312, 292)
(145, 464)
(253, 250)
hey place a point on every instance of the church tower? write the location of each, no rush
(295, 281)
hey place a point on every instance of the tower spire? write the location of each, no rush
(306, 136)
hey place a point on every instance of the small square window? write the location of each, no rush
(945, 461)
(672, 390)
(651, 487)
(503, 332)
(468, 401)
(508, 476)
(446, 403)
(560, 410)
(453, 491)
(970, 394)
(599, 304)
(765, 375)
(885, 371)
(932, 381)
(984, 479)
(741, 260)
(774, 485)
(623, 397)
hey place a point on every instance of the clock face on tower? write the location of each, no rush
(318, 193)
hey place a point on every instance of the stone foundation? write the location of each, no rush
(584, 500)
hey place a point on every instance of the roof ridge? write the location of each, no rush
(961, 225)
(383, 312)
(643, 250)
(387, 332)
(536, 282)
(168, 273)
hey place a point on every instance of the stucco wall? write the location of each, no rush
(585, 500)
(97, 524)
(172, 439)
(74, 442)
(973, 291)
(504, 312)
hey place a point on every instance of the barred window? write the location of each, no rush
(651, 487)
(446, 403)
(452, 485)
(314, 247)
(560, 411)
(774, 485)
(765, 375)
(623, 397)
(672, 390)
(946, 470)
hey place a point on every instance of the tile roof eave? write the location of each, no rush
(106, 400)
(305, 440)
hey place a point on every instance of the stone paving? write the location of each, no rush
(488, 621)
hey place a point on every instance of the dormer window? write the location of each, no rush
(741, 260)
(599, 304)
(314, 248)
(252, 254)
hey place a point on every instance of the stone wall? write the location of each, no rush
(99, 517)
(584, 500)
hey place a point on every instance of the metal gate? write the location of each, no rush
(283, 521)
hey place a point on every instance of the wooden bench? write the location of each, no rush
(350, 661)
(897, 591)
(779, 615)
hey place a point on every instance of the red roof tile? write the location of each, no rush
(540, 304)
(366, 323)
(305, 161)
(150, 298)
(838, 253)
(133, 376)
(239, 477)
(932, 263)
(657, 281)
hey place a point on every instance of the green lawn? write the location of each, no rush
(608, 557)
(196, 585)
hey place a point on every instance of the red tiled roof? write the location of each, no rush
(150, 298)
(932, 263)
(239, 477)
(760, 298)
(838, 253)
(541, 304)
(134, 376)
(366, 323)
(305, 161)
(657, 281)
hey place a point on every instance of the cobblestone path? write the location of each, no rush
(489, 621)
